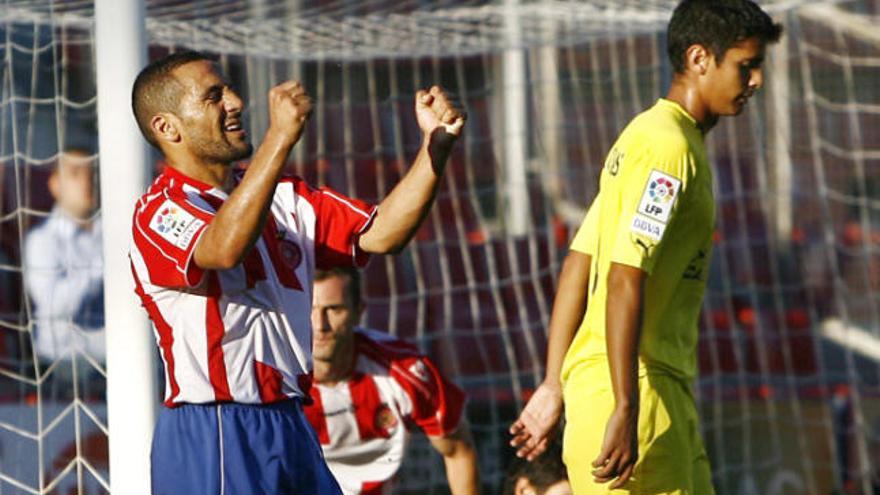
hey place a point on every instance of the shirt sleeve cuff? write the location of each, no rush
(193, 274)
(360, 258)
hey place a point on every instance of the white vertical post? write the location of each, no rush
(121, 52)
(258, 78)
(779, 137)
(515, 130)
(550, 115)
(296, 72)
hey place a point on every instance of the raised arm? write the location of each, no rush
(532, 430)
(460, 459)
(623, 319)
(402, 211)
(237, 225)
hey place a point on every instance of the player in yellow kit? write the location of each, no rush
(623, 333)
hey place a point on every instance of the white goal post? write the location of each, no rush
(132, 396)
(789, 385)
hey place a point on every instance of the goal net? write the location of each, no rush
(789, 351)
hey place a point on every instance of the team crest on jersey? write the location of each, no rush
(290, 253)
(419, 369)
(385, 421)
(659, 196)
(612, 163)
(174, 224)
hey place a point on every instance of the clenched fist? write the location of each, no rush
(434, 108)
(289, 109)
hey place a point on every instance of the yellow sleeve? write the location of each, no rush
(652, 186)
(587, 235)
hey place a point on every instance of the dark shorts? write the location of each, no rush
(238, 449)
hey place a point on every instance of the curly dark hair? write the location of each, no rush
(718, 25)
(542, 473)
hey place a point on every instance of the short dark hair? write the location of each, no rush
(354, 281)
(717, 25)
(155, 90)
(543, 472)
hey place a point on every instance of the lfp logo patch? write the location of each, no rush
(659, 196)
(166, 219)
(662, 191)
(174, 224)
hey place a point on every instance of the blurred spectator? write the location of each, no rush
(546, 475)
(6, 282)
(64, 265)
(858, 249)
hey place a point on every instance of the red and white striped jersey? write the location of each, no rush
(242, 334)
(363, 423)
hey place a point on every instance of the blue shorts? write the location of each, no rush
(238, 449)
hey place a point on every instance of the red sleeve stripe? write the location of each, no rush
(192, 272)
(348, 203)
(369, 221)
(146, 237)
(191, 275)
(379, 357)
(143, 235)
(148, 249)
(359, 257)
(405, 373)
(166, 336)
(147, 199)
(300, 187)
(442, 411)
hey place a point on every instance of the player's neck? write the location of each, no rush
(689, 98)
(82, 219)
(218, 175)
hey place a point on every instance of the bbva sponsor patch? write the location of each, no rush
(174, 224)
(659, 197)
(647, 227)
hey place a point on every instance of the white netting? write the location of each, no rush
(52, 408)
(342, 30)
(789, 350)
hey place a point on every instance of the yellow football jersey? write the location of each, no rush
(654, 211)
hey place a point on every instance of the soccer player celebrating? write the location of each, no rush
(371, 389)
(223, 263)
(623, 331)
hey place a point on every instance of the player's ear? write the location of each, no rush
(697, 58)
(54, 186)
(165, 127)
